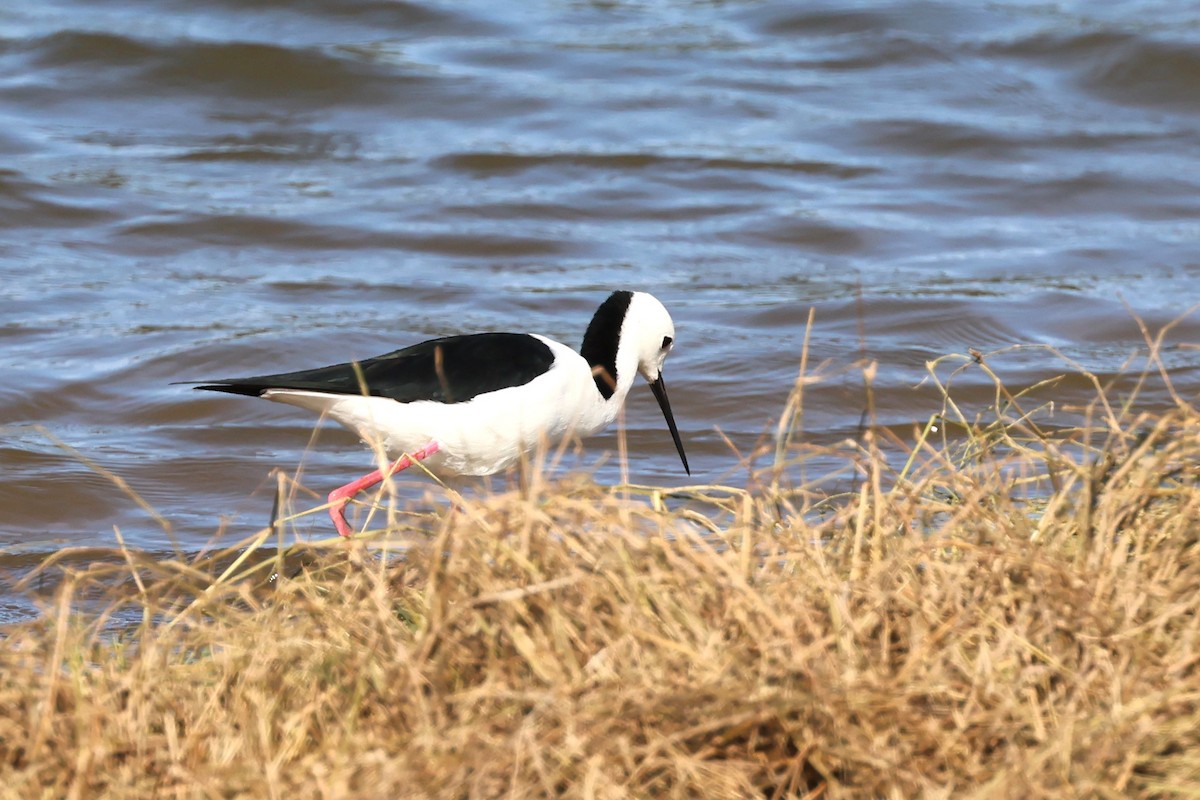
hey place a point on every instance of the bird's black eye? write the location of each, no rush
(666, 342)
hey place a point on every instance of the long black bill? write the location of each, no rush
(660, 394)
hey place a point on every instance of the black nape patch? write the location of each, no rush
(602, 338)
(451, 370)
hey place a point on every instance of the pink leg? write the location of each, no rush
(341, 495)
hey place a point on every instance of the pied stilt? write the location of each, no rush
(474, 404)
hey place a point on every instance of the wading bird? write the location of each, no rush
(474, 404)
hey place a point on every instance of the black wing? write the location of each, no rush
(450, 370)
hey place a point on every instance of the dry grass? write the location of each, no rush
(1011, 612)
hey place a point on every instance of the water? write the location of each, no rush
(192, 191)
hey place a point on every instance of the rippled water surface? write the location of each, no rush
(191, 191)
